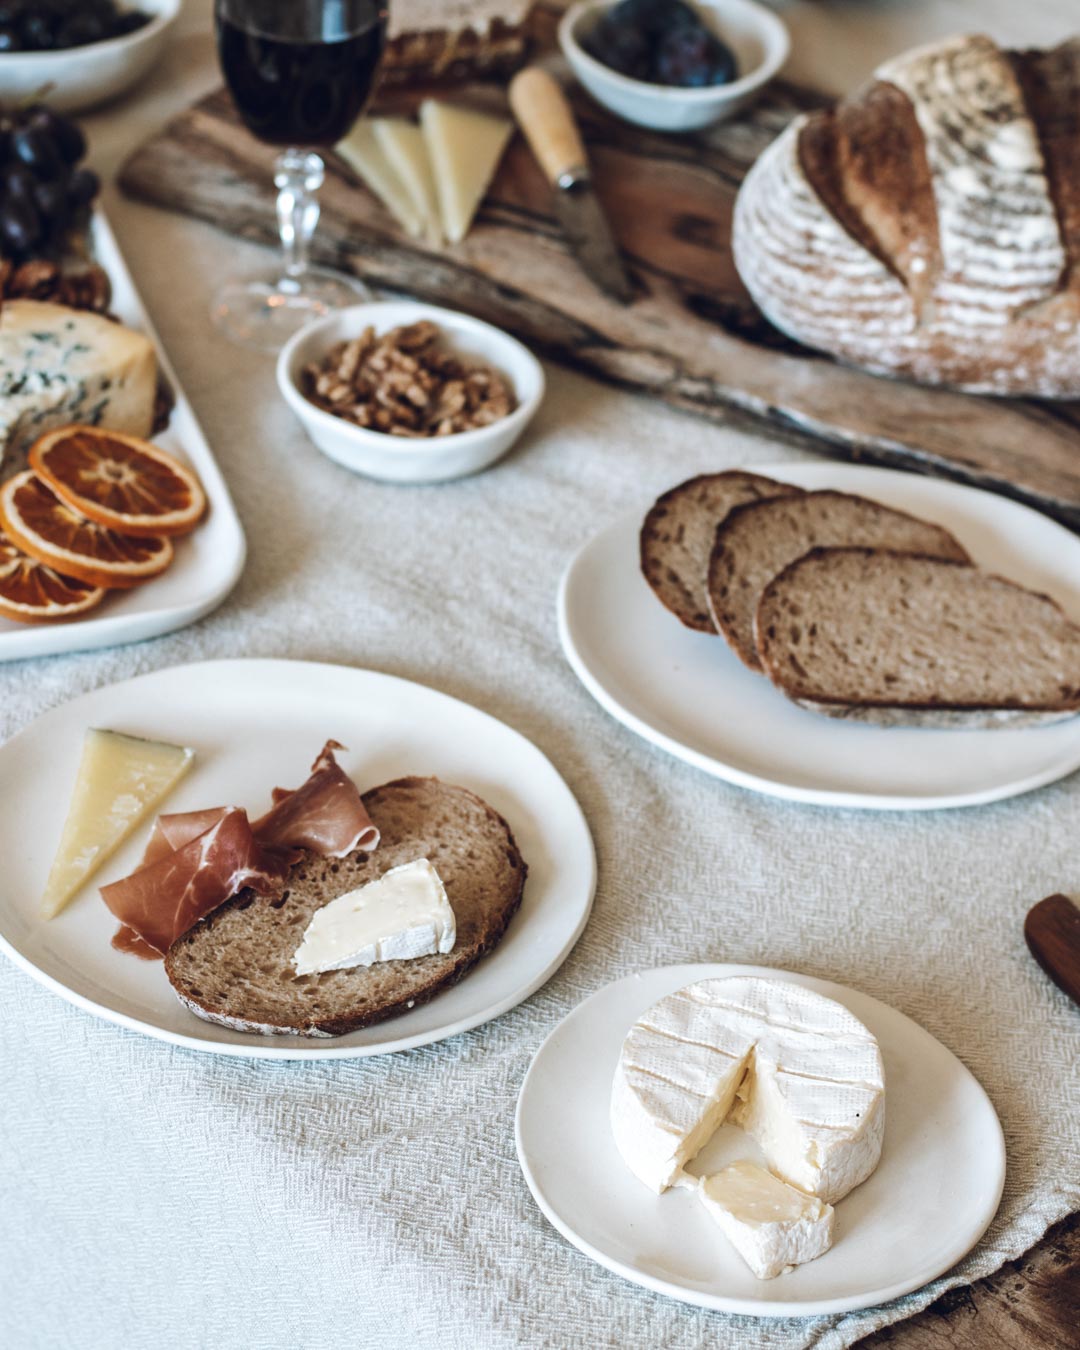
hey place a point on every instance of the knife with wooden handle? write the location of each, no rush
(1052, 931)
(547, 120)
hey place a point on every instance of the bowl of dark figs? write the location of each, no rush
(673, 65)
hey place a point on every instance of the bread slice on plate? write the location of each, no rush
(897, 639)
(235, 966)
(756, 542)
(677, 537)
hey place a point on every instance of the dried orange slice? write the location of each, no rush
(39, 523)
(30, 592)
(119, 481)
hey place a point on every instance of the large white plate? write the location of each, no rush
(208, 561)
(688, 693)
(932, 1197)
(254, 725)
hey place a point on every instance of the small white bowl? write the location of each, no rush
(755, 34)
(82, 77)
(399, 459)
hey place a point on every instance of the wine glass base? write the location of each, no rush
(264, 312)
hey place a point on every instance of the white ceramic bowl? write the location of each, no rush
(399, 459)
(755, 34)
(82, 77)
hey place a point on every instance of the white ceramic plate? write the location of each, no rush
(208, 561)
(254, 725)
(933, 1195)
(689, 694)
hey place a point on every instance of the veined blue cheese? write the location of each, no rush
(60, 365)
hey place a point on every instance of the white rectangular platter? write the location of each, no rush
(208, 561)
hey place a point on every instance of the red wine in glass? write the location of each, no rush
(300, 73)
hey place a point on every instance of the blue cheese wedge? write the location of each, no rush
(402, 915)
(60, 365)
(773, 1226)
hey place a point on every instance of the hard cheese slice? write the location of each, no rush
(362, 151)
(464, 148)
(121, 779)
(773, 1226)
(404, 146)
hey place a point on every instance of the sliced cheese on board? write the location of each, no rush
(364, 154)
(795, 1070)
(120, 781)
(464, 148)
(773, 1226)
(404, 146)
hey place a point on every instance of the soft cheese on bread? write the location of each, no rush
(60, 366)
(797, 1071)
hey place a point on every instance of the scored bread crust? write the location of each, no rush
(938, 713)
(235, 968)
(678, 531)
(735, 593)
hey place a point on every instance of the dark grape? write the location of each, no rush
(20, 227)
(10, 40)
(38, 152)
(49, 25)
(83, 186)
(67, 137)
(693, 58)
(662, 42)
(51, 200)
(17, 182)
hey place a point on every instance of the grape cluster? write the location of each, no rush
(53, 25)
(661, 42)
(44, 192)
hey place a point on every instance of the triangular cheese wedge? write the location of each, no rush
(362, 152)
(120, 781)
(403, 145)
(464, 148)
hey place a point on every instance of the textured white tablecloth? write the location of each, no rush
(155, 1197)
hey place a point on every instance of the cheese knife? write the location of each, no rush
(547, 120)
(1052, 931)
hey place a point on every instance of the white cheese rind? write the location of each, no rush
(60, 365)
(795, 1070)
(402, 915)
(773, 1226)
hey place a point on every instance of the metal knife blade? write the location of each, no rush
(589, 235)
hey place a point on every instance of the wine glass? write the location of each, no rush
(300, 73)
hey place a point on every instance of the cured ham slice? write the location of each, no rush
(325, 815)
(196, 860)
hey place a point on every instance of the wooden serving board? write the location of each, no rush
(693, 337)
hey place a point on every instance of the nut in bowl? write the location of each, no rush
(408, 392)
(753, 35)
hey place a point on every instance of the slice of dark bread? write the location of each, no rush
(677, 537)
(897, 639)
(235, 966)
(756, 542)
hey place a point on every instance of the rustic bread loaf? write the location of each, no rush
(757, 541)
(929, 226)
(894, 639)
(446, 40)
(235, 966)
(678, 532)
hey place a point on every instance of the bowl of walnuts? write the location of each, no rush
(409, 392)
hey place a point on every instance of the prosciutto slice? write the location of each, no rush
(196, 860)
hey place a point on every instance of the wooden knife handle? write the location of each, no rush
(547, 120)
(1052, 931)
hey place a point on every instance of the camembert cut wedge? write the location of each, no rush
(795, 1070)
(773, 1226)
(121, 780)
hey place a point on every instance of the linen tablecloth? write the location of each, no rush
(159, 1197)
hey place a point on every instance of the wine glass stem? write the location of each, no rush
(298, 175)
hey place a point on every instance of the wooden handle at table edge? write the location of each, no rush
(1052, 933)
(547, 120)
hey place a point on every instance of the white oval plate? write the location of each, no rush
(932, 1197)
(689, 694)
(254, 725)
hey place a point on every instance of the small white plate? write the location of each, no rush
(689, 693)
(208, 561)
(932, 1197)
(255, 725)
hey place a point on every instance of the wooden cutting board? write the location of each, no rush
(693, 338)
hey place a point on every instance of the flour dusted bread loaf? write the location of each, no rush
(455, 39)
(929, 226)
(897, 639)
(235, 967)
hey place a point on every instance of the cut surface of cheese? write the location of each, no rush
(402, 915)
(120, 781)
(404, 146)
(773, 1226)
(797, 1071)
(464, 148)
(364, 154)
(60, 365)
